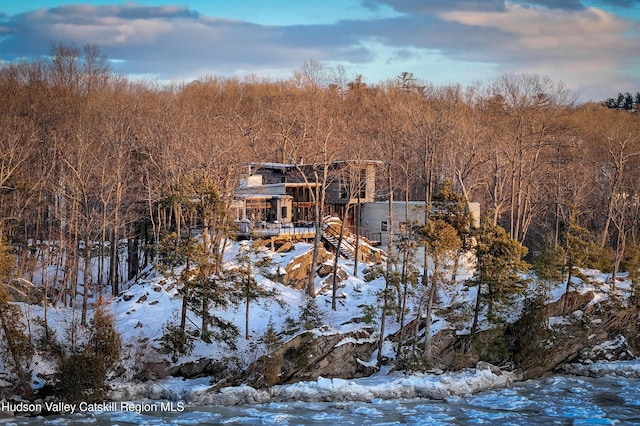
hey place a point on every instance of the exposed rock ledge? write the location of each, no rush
(312, 366)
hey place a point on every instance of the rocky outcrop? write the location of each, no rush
(309, 356)
(297, 271)
(589, 332)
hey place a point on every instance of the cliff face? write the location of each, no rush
(591, 331)
(309, 356)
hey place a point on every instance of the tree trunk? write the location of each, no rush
(132, 258)
(334, 286)
(566, 290)
(86, 279)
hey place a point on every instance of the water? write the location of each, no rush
(558, 400)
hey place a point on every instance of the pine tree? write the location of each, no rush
(311, 315)
(82, 376)
(176, 341)
(628, 101)
(16, 349)
(453, 208)
(549, 264)
(247, 288)
(104, 340)
(576, 245)
(442, 241)
(200, 287)
(498, 268)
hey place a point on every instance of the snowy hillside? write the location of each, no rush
(145, 306)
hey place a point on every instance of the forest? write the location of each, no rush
(93, 163)
(91, 156)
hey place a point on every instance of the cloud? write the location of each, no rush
(173, 41)
(431, 6)
(584, 46)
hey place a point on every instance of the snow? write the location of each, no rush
(145, 306)
(605, 368)
(383, 385)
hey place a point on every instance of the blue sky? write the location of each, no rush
(592, 46)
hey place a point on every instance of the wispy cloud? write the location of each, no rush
(591, 49)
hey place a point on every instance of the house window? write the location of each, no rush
(283, 212)
(384, 226)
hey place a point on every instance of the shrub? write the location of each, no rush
(175, 341)
(549, 264)
(311, 316)
(81, 377)
(369, 314)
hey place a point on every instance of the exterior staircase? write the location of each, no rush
(331, 236)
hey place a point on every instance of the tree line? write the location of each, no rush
(91, 156)
(95, 166)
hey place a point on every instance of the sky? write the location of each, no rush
(593, 46)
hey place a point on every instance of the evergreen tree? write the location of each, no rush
(628, 101)
(442, 241)
(176, 341)
(205, 290)
(549, 264)
(310, 315)
(611, 103)
(247, 288)
(576, 246)
(104, 340)
(82, 376)
(498, 269)
(16, 348)
(453, 208)
(270, 338)
(200, 287)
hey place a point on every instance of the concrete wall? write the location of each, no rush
(375, 216)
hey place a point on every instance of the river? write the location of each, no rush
(556, 400)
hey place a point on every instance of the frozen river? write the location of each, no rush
(561, 400)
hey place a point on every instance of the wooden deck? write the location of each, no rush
(279, 232)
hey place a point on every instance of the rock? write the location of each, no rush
(576, 302)
(482, 365)
(286, 247)
(201, 368)
(152, 370)
(325, 269)
(308, 357)
(297, 271)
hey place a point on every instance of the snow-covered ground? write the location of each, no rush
(145, 306)
(383, 385)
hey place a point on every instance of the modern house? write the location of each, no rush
(276, 199)
(277, 193)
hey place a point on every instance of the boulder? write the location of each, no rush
(308, 356)
(297, 271)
